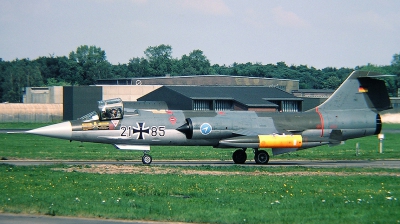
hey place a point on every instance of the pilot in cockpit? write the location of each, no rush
(111, 109)
(113, 113)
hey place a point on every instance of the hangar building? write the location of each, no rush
(213, 92)
(255, 98)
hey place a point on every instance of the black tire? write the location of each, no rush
(146, 159)
(261, 157)
(239, 156)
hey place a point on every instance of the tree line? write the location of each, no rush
(89, 63)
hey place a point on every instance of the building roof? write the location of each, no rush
(209, 80)
(252, 96)
(205, 80)
(313, 91)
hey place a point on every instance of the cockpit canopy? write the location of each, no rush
(111, 109)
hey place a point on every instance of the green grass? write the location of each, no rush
(390, 126)
(23, 146)
(354, 198)
(360, 195)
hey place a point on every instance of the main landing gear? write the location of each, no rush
(260, 156)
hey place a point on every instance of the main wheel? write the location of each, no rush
(239, 156)
(261, 157)
(146, 159)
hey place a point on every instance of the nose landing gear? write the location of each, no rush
(146, 159)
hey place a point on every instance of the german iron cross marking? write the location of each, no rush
(140, 129)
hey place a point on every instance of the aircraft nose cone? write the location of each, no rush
(61, 130)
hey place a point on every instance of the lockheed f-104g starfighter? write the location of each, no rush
(351, 112)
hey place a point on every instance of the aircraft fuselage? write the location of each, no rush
(351, 112)
(209, 128)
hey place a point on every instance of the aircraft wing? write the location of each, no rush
(132, 147)
(125, 146)
(266, 131)
(255, 131)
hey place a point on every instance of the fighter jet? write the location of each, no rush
(351, 112)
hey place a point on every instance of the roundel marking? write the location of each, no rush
(205, 128)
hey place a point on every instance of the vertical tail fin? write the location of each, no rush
(359, 91)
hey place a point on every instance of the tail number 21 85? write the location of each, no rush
(128, 131)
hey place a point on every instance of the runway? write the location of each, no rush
(392, 164)
(8, 218)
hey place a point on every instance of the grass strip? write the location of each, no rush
(203, 198)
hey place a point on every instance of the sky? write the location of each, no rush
(336, 33)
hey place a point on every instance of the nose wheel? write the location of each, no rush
(146, 159)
